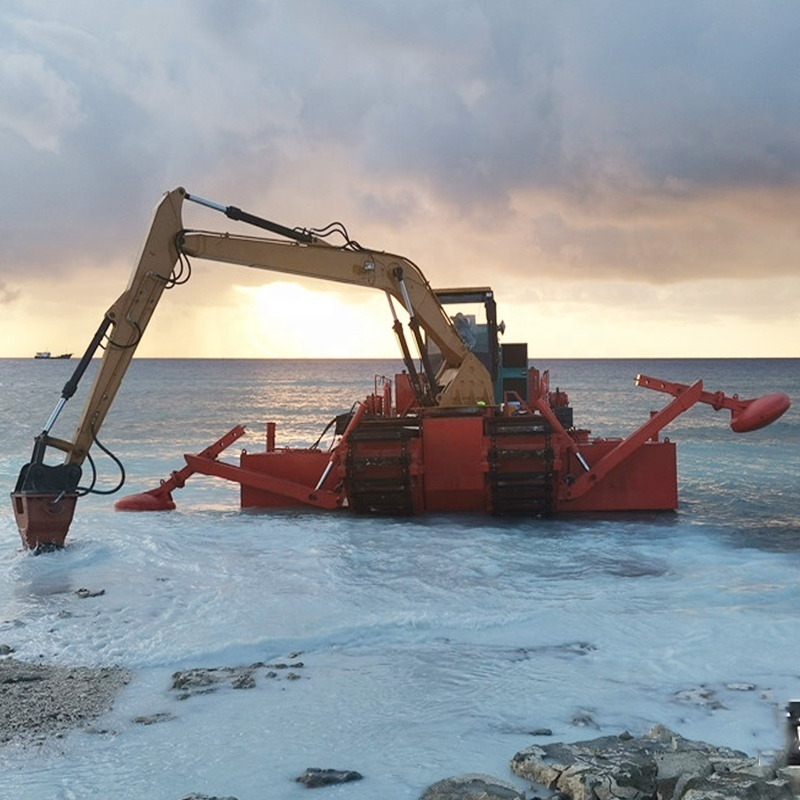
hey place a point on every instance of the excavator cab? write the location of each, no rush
(476, 323)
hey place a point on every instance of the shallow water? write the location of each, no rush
(430, 647)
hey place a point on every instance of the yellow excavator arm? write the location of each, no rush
(128, 317)
(462, 380)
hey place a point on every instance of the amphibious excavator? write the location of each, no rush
(467, 426)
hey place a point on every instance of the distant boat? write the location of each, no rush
(46, 354)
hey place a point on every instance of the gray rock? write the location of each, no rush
(583, 719)
(153, 719)
(735, 786)
(314, 777)
(660, 765)
(84, 593)
(702, 696)
(205, 680)
(676, 767)
(195, 796)
(792, 776)
(472, 787)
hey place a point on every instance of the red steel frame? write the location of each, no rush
(448, 460)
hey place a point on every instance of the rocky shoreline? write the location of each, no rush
(39, 701)
(661, 765)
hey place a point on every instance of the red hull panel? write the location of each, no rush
(303, 467)
(645, 481)
(454, 459)
(466, 464)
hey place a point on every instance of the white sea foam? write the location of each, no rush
(429, 647)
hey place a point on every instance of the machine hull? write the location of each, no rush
(458, 463)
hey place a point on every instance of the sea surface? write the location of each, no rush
(430, 647)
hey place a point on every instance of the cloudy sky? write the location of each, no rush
(624, 173)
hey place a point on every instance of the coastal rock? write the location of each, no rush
(660, 765)
(84, 593)
(314, 777)
(153, 719)
(205, 680)
(703, 696)
(792, 776)
(735, 786)
(195, 796)
(472, 787)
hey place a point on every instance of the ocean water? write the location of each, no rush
(430, 647)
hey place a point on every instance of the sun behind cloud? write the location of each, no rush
(289, 320)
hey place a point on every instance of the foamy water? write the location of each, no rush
(429, 647)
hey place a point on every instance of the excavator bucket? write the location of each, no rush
(44, 500)
(44, 504)
(43, 519)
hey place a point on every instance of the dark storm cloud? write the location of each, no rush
(461, 96)
(605, 131)
(496, 96)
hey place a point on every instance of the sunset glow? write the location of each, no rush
(627, 183)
